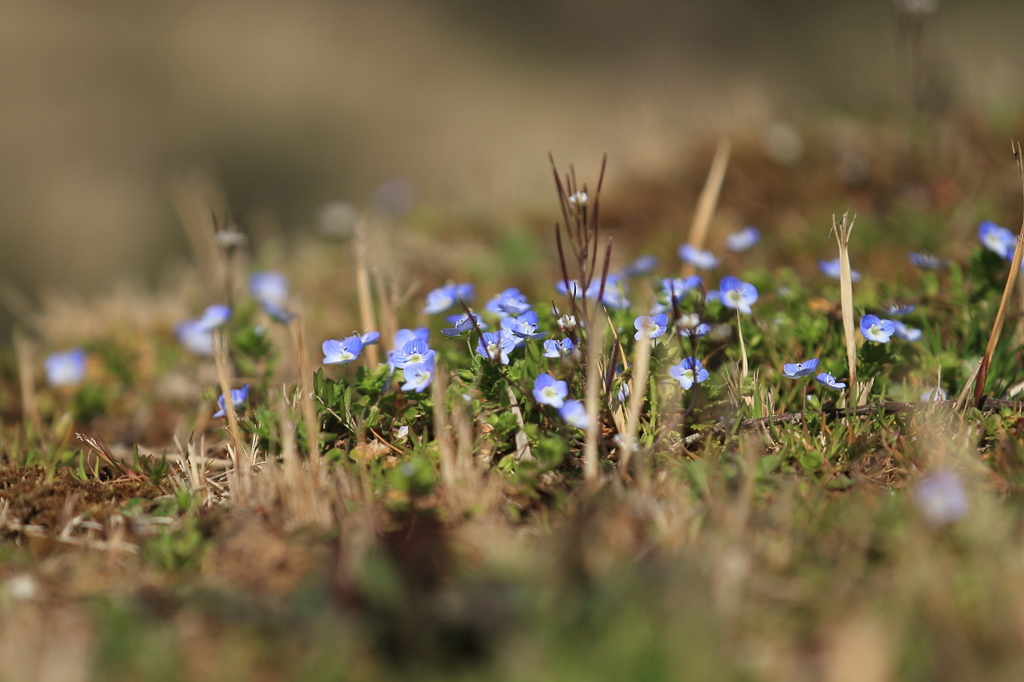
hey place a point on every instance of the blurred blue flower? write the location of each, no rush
(688, 372)
(443, 298)
(905, 332)
(997, 239)
(197, 335)
(615, 291)
(557, 349)
(548, 391)
(404, 336)
(495, 346)
(899, 309)
(238, 398)
(926, 261)
(651, 327)
(698, 258)
(828, 380)
(573, 286)
(369, 338)
(509, 302)
(833, 270)
(737, 294)
(574, 413)
(796, 370)
(270, 290)
(941, 498)
(341, 352)
(641, 266)
(933, 395)
(65, 369)
(214, 316)
(418, 375)
(742, 240)
(875, 329)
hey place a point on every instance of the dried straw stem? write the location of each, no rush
(297, 326)
(223, 362)
(594, 381)
(442, 432)
(842, 233)
(641, 368)
(1004, 303)
(708, 200)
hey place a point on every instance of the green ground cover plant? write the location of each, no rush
(687, 463)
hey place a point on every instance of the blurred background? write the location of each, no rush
(105, 105)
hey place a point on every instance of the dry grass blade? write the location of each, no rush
(842, 233)
(641, 367)
(1004, 302)
(442, 432)
(594, 381)
(708, 200)
(222, 360)
(309, 417)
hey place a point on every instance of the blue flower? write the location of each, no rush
(737, 294)
(341, 352)
(641, 266)
(557, 349)
(463, 323)
(651, 327)
(905, 332)
(65, 369)
(833, 270)
(828, 380)
(402, 337)
(743, 239)
(509, 302)
(688, 372)
(415, 352)
(495, 346)
(369, 338)
(443, 298)
(197, 335)
(796, 370)
(899, 309)
(941, 498)
(238, 398)
(875, 329)
(270, 289)
(926, 261)
(523, 327)
(418, 376)
(574, 413)
(547, 391)
(997, 239)
(698, 258)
